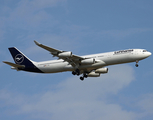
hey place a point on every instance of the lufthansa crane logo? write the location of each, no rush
(19, 58)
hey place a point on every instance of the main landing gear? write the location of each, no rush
(84, 76)
(77, 72)
(136, 63)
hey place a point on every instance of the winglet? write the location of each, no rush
(37, 43)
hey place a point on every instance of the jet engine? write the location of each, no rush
(65, 54)
(101, 70)
(88, 61)
(93, 74)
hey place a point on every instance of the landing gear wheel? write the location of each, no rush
(85, 75)
(136, 65)
(74, 73)
(82, 78)
(77, 71)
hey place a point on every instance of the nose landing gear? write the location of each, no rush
(136, 63)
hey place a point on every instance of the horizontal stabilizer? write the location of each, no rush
(14, 65)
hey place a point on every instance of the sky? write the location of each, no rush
(83, 27)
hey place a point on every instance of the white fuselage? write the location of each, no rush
(101, 60)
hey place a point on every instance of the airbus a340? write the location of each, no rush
(88, 66)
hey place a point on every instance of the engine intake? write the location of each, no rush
(101, 70)
(65, 54)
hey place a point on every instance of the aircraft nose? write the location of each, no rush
(148, 54)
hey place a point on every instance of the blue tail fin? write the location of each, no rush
(19, 57)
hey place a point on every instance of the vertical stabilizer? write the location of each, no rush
(19, 57)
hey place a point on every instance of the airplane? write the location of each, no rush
(88, 66)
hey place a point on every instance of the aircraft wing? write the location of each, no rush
(14, 65)
(72, 59)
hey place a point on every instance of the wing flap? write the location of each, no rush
(14, 65)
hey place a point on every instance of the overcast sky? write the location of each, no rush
(83, 27)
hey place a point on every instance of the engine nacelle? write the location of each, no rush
(88, 61)
(65, 54)
(101, 70)
(93, 74)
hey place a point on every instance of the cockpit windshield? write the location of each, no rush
(145, 51)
